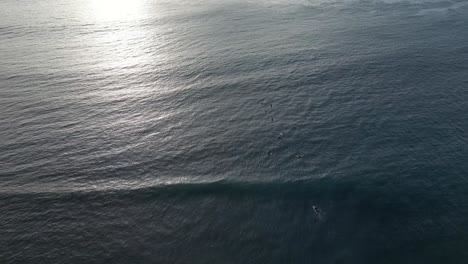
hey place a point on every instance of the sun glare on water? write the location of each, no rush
(106, 10)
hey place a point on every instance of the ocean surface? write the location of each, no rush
(234, 131)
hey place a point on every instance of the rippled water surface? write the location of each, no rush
(235, 131)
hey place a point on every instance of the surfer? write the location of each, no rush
(318, 212)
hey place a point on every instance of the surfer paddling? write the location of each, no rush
(318, 212)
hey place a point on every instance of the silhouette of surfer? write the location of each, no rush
(318, 212)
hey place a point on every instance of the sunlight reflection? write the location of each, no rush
(116, 9)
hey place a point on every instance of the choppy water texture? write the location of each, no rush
(236, 131)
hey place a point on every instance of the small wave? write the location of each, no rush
(305, 187)
(226, 187)
(313, 3)
(443, 10)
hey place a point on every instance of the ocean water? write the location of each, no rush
(234, 131)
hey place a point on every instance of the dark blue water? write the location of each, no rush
(237, 131)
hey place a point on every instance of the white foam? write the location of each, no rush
(442, 10)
